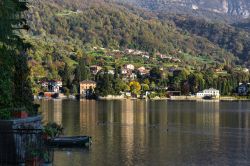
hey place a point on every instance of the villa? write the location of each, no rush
(209, 92)
(86, 86)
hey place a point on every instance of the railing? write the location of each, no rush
(21, 146)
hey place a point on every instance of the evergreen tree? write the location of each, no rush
(83, 70)
(155, 75)
(104, 85)
(66, 77)
(15, 85)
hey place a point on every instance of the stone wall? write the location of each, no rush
(17, 137)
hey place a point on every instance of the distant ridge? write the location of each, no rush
(227, 9)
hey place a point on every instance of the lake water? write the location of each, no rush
(137, 132)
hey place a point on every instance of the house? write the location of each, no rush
(143, 71)
(133, 76)
(87, 87)
(129, 51)
(208, 93)
(124, 71)
(116, 51)
(145, 56)
(95, 69)
(137, 52)
(112, 72)
(242, 89)
(127, 74)
(54, 86)
(129, 67)
(44, 84)
(162, 56)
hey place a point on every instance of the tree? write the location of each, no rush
(135, 87)
(66, 76)
(196, 82)
(23, 95)
(82, 71)
(118, 86)
(185, 88)
(155, 74)
(152, 86)
(145, 87)
(15, 86)
(146, 81)
(104, 84)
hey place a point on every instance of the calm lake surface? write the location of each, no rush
(137, 132)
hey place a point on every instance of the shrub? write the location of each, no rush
(53, 129)
(5, 114)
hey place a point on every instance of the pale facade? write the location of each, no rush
(85, 86)
(129, 66)
(209, 92)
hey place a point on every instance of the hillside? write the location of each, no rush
(231, 38)
(215, 9)
(63, 31)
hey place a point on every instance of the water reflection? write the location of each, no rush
(140, 132)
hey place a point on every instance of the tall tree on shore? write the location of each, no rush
(83, 69)
(66, 76)
(15, 86)
(104, 85)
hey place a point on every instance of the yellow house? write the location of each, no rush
(85, 86)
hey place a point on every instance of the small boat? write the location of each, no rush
(208, 97)
(70, 142)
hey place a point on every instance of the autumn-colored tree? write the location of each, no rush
(135, 87)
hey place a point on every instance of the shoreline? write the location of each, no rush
(172, 98)
(154, 99)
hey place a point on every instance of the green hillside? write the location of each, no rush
(63, 31)
(233, 39)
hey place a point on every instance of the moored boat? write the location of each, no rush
(208, 97)
(70, 142)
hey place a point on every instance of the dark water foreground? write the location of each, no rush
(154, 132)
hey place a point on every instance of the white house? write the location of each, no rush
(145, 56)
(111, 72)
(54, 86)
(129, 66)
(209, 92)
(129, 51)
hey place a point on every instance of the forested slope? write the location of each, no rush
(233, 39)
(63, 31)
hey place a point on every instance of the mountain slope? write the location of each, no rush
(230, 9)
(74, 25)
(233, 39)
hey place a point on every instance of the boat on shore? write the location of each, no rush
(70, 142)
